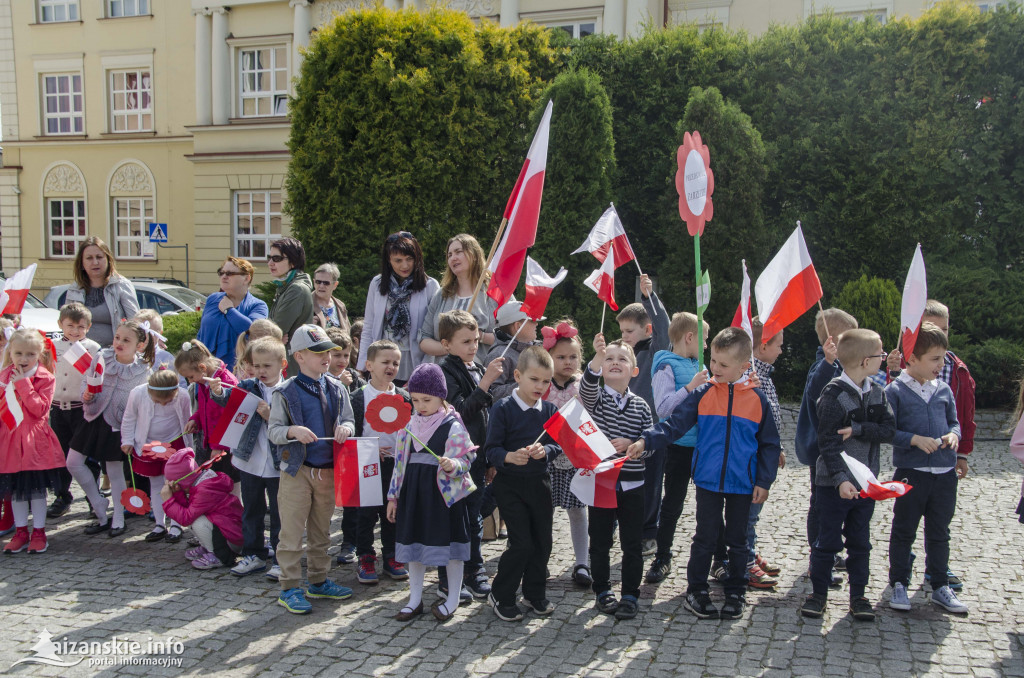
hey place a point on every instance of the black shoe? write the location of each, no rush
(96, 528)
(660, 567)
(543, 607)
(173, 536)
(115, 532)
(861, 609)
(628, 608)
(841, 563)
(156, 535)
(607, 603)
(733, 607)
(59, 507)
(505, 612)
(814, 606)
(699, 603)
(581, 575)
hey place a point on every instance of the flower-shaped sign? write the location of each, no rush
(695, 183)
(388, 413)
(136, 501)
(157, 451)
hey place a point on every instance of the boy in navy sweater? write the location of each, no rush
(520, 450)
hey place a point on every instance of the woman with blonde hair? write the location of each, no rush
(229, 312)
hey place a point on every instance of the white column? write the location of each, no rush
(221, 67)
(302, 24)
(615, 18)
(203, 46)
(636, 13)
(509, 12)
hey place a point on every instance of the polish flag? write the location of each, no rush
(608, 234)
(581, 440)
(539, 286)
(10, 409)
(16, 290)
(522, 213)
(602, 281)
(870, 487)
(78, 356)
(237, 414)
(915, 296)
(597, 488)
(357, 480)
(742, 317)
(94, 381)
(788, 287)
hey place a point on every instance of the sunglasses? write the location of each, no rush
(221, 273)
(276, 258)
(394, 237)
(325, 283)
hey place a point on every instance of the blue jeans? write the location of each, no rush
(755, 515)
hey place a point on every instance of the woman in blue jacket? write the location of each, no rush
(229, 313)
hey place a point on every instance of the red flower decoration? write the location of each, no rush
(157, 450)
(136, 501)
(388, 413)
(695, 183)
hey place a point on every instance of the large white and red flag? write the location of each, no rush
(357, 480)
(539, 286)
(597, 488)
(15, 292)
(581, 440)
(79, 357)
(608, 234)
(869, 485)
(602, 281)
(10, 409)
(237, 414)
(522, 213)
(915, 297)
(787, 287)
(94, 379)
(742, 317)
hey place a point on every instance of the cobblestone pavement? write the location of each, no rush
(94, 588)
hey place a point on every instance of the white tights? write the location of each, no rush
(417, 571)
(37, 504)
(580, 536)
(83, 476)
(156, 483)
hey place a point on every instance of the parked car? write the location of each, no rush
(38, 315)
(165, 299)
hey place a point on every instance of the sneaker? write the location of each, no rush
(660, 567)
(899, 600)
(945, 598)
(367, 569)
(19, 542)
(952, 580)
(395, 569)
(758, 579)
(294, 600)
(814, 606)
(193, 542)
(505, 612)
(59, 507)
(581, 575)
(329, 589)
(274, 573)
(37, 543)
(478, 586)
(249, 565)
(347, 554)
(607, 603)
(197, 552)
(769, 568)
(207, 562)
(628, 608)
(719, 571)
(699, 603)
(840, 563)
(837, 580)
(650, 547)
(732, 608)
(270, 547)
(465, 596)
(861, 609)
(543, 607)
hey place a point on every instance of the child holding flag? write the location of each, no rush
(424, 498)
(306, 412)
(623, 417)
(515, 332)
(199, 366)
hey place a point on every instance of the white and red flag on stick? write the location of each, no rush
(581, 440)
(787, 287)
(237, 414)
(79, 357)
(597, 488)
(869, 485)
(357, 471)
(94, 379)
(539, 286)
(15, 292)
(10, 409)
(915, 298)
(608, 234)
(522, 213)
(602, 281)
(742, 317)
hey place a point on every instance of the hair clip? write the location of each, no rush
(186, 346)
(149, 330)
(162, 388)
(561, 331)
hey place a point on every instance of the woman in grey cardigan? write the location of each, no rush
(293, 301)
(108, 296)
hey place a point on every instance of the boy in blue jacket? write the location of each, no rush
(735, 462)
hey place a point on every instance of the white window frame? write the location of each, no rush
(140, 7)
(278, 97)
(69, 8)
(573, 17)
(146, 214)
(706, 14)
(268, 236)
(850, 8)
(79, 213)
(144, 107)
(72, 115)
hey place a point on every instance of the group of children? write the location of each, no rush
(477, 439)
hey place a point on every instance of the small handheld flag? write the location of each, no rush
(357, 473)
(240, 409)
(78, 356)
(870, 487)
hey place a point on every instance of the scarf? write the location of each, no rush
(287, 279)
(397, 319)
(424, 427)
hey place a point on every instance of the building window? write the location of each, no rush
(66, 220)
(58, 10)
(131, 101)
(257, 222)
(132, 217)
(62, 104)
(118, 8)
(576, 29)
(878, 15)
(263, 81)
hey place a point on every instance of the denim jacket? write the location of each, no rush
(286, 411)
(256, 425)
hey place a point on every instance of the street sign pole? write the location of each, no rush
(158, 234)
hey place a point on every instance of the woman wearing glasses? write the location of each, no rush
(328, 311)
(293, 302)
(396, 302)
(229, 313)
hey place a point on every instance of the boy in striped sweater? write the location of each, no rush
(623, 417)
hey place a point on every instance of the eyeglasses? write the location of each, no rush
(881, 355)
(221, 273)
(398, 236)
(325, 283)
(276, 258)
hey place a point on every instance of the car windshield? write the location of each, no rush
(186, 296)
(32, 302)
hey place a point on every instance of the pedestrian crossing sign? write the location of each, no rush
(158, 233)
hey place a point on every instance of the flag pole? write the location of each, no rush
(823, 321)
(487, 264)
(635, 261)
(511, 340)
(700, 312)
(604, 307)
